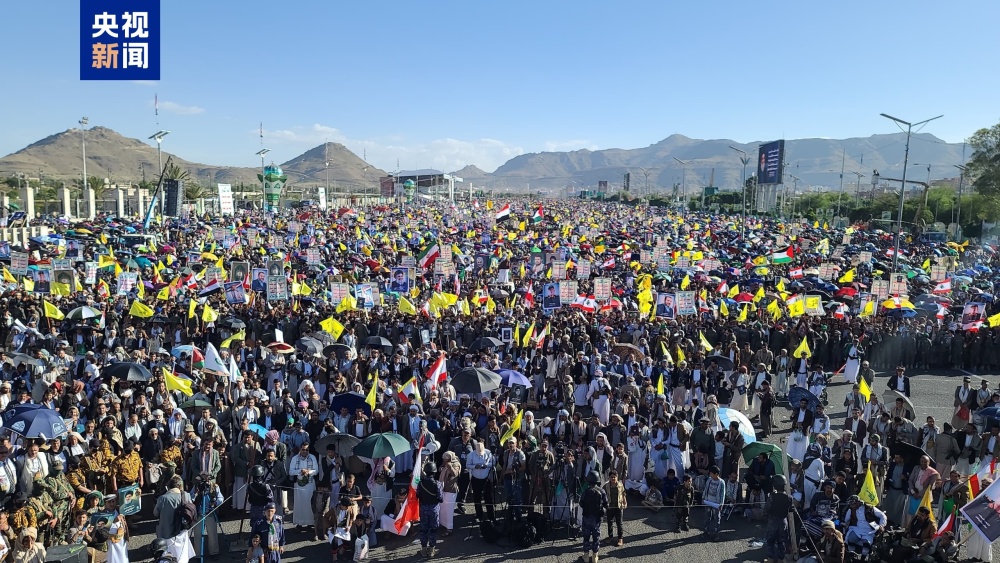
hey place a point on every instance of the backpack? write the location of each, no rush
(186, 514)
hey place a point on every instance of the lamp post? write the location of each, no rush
(744, 158)
(684, 193)
(958, 208)
(645, 172)
(857, 190)
(795, 189)
(902, 190)
(263, 196)
(83, 148)
(158, 137)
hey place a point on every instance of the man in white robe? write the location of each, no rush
(302, 470)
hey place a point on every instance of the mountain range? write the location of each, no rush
(815, 162)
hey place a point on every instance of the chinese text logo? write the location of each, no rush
(119, 40)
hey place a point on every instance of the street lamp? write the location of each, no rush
(263, 196)
(744, 158)
(158, 137)
(795, 189)
(645, 172)
(684, 169)
(902, 190)
(83, 147)
(857, 190)
(958, 212)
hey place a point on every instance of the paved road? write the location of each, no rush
(648, 535)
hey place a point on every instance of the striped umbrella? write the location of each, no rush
(728, 416)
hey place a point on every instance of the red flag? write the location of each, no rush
(438, 372)
(947, 526)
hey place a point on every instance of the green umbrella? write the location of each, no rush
(386, 444)
(773, 452)
(195, 403)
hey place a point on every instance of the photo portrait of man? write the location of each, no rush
(665, 305)
(550, 296)
(400, 281)
(259, 282)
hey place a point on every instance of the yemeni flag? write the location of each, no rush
(410, 512)
(947, 526)
(438, 372)
(539, 215)
(504, 213)
(429, 255)
(978, 474)
(783, 256)
(212, 287)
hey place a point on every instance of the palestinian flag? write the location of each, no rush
(783, 257)
(428, 255)
(504, 213)
(539, 215)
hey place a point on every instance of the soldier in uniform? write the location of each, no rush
(96, 465)
(171, 458)
(683, 499)
(126, 469)
(57, 494)
(77, 480)
(24, 515)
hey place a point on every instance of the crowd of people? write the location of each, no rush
(232, 365)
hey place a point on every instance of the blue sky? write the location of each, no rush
(441, 84)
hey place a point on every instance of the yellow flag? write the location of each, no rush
(680, 355)
(164, 293)
(140, 289)
(105, 261)
(406, 307)
(848, 276)
(659, 385)
(175, 383)
(372, 393)
(704, 342)
(868, 311)
(686, 281)
(925, 502)
(781, 286)
(797, 308)
(53, 312)
(332, 327)
(723, 310)
(734, 291)
(666, 353)
(8, 277)
(863, 388)
(743, 315)
(29, 285)
(868, 493)
(241, 335)
(191, 306)
(140, 309)
(528, 334)
(759, 295)
(803, 350)
(208, 314)
(517, 333)
(513, 428)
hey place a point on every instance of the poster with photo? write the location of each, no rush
(258, 280)
(277, 288)
(127, 282)
(366, 294)
(275, 268)
(67, 277)
(973, 316)
(550, 296)
(685, 303)
(235, 294)
(983, 513)
(42, 279)
(4, 250)
(897, 283)
(238, 271)
(400, 282)
(130, 500)
(666, 305)
(537, 264)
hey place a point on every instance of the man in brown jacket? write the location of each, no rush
(616, 506)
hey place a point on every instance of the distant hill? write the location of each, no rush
(816, 162)
(112, 155)
(471, 173)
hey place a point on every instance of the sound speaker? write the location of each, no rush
(66, 554)
(173, 197)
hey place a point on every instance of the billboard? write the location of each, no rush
(770, 163)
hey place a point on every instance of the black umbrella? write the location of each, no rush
(323, 337)
(796, 394)
(725, 364)
(476, 380)
(309, 345)
(344, 444)
(485, 343)
(350, 401)
(378, 342)
(128, 371)
(234, 323)
(159, 320)
(911, 454)
(339, 349)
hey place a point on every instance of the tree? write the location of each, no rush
(174, 172)
(984, 166)
(194, 191)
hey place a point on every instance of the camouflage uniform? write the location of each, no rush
(57, 494)
(77, 480)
